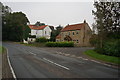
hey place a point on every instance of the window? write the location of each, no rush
(73, 33)
(68, 33)
(77, 41)
(45, 32)
(76, 32)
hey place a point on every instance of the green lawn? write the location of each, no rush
(0, 49)
(102, 57)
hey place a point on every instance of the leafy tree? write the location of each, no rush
(107, 20)
(39, 24)
(107, 23)
(15, 26)
(56, 32)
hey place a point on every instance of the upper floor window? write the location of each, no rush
(68, 33)
(45, 32)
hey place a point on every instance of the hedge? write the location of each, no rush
(60, 44)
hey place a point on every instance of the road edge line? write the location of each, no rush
(13, 73)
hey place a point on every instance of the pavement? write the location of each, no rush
(32, 62)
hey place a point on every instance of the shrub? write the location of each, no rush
(112, 48)
(100, 50)
(41, 39)
(60, 44)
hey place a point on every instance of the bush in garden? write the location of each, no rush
(60, 44)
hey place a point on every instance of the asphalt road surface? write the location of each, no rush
(32, 62)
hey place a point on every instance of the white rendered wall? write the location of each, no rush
(39, 34)
(33, 32)
(46, 32)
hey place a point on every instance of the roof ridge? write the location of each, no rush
(75, 24)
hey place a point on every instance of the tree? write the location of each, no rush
(6, 11)
(15, 27)
(107, 20)
(56, 32)
(39, 24)
(107, 17)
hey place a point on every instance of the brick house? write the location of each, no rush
(78, 33)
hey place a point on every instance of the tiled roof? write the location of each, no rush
(58, 37)
(73, 27)
(37, 27)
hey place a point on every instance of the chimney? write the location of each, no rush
(84, 21)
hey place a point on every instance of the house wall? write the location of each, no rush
(46, 32)
(31, 39)
(39, 33)
(79, 37)
(33, 32)
(58, 40)
(88, 34)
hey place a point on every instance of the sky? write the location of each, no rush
(55, 13)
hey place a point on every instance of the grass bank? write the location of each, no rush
(102, 57)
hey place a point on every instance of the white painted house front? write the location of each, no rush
(40, 31)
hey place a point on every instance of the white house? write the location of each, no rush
(40, 31)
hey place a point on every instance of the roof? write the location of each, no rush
(73, 27)
(58, 36)
(37, 27)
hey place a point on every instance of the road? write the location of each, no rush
(33, 62)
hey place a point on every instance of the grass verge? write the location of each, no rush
(102, 57)
(35, 44)
(0, 49)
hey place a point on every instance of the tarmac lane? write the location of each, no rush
(31, 62)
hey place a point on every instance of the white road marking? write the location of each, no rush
(82, 58)
(107, 65)
(85, 59)
(101, 63)
(79, 57)
(56, 64)
(13, 73)
(32, 53)
(95, 61)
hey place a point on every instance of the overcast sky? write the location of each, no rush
(55, 13)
